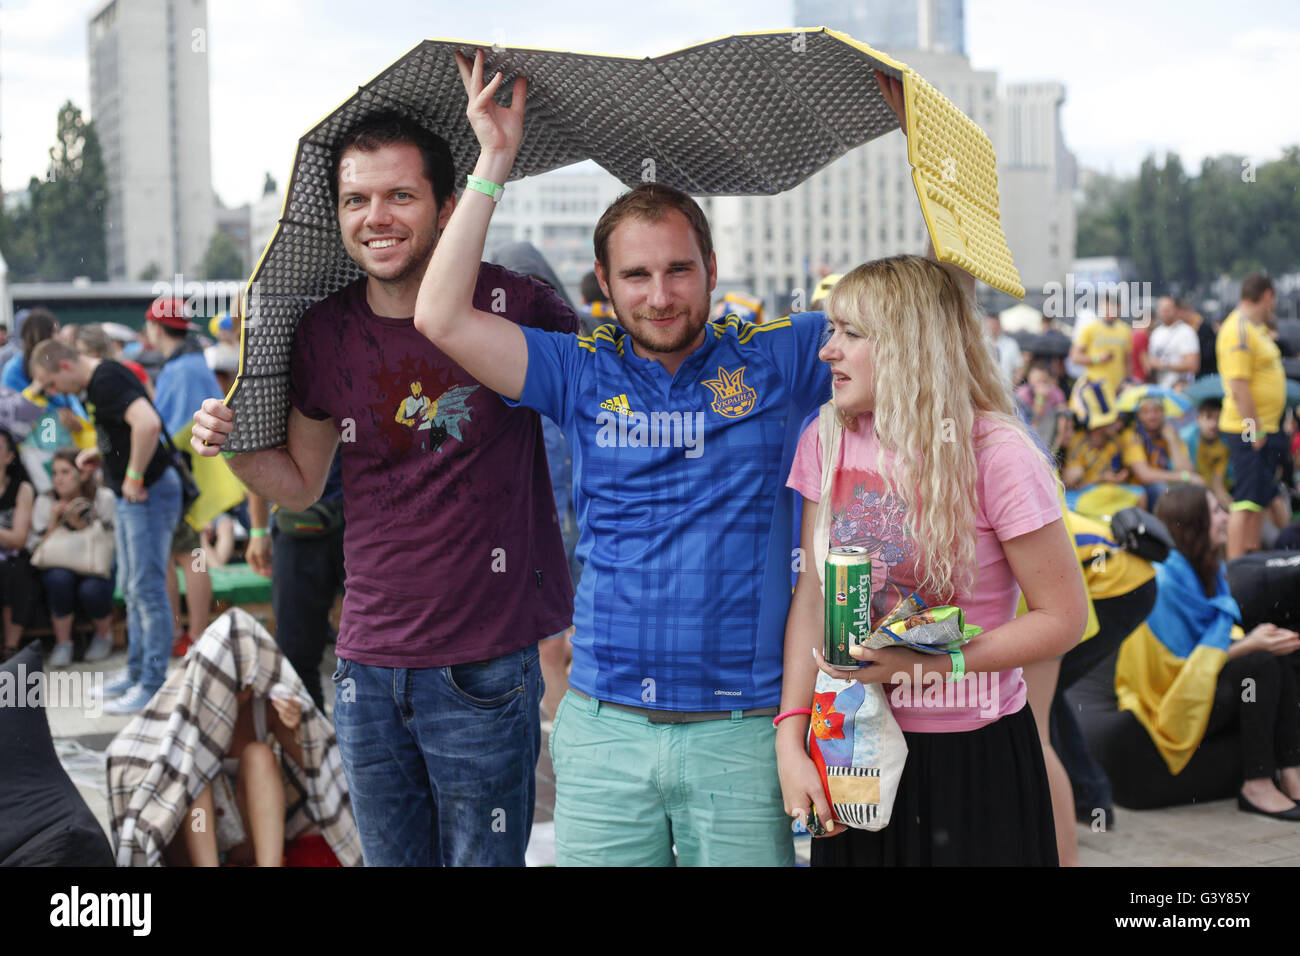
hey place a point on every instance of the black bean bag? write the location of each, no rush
(1266, 585)
(1139, 777)
(43, 820)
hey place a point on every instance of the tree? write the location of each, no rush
(1103, 221)
(1173, 224)
(1217, 215)
(1143, 224)
(61, 234)
(223, 259)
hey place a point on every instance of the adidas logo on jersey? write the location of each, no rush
(616, 404)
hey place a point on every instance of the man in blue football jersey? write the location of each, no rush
(682, 433)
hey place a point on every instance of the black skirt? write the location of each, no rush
(978, 798)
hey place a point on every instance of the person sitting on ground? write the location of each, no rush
(251, 769)
(1094, 474)
(74, 503)
(1207, 450)
(1183, 671)
(1152, 451)
(18, 583)
(218, 539)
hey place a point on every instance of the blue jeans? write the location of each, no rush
(65, 589)
(440, 761)
(144, 536)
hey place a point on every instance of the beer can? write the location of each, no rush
(848, 604)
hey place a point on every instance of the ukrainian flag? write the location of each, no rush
(219, 489)
(1168, 668)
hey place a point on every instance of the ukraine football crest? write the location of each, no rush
(732, 398)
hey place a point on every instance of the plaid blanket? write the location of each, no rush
(161, 761)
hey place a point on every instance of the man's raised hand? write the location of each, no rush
(212, 423)
(497, 128)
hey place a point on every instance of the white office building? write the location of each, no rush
(862, 206)
(1036, 179)
(557, 213)
(149, 101)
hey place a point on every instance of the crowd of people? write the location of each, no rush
(497, 453)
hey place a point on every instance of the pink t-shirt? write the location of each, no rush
(1017, 495)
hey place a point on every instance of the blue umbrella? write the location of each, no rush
(1211, 386)
(1175, 404)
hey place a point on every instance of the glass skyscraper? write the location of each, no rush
(938, 26)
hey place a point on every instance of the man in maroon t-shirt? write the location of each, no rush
(455, 561)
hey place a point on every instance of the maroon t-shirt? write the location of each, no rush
(452, 547)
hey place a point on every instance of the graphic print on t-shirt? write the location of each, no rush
(865, 515)
(419, 408)
(441, 418)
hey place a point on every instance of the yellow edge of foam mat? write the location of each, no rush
(961, 211)
(955, 173)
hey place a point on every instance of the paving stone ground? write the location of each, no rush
(1208, 834)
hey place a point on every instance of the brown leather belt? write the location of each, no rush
(680, 716)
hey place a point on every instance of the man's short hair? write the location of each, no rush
(95, 340)
(651, 202)
(591, 290)
(391, 128)
(1210, 406)
(51, 352)
(1254, 286)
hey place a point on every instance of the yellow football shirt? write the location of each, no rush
(1245, 351)
(1133, 449)
(1093, 461)
(1100, 338)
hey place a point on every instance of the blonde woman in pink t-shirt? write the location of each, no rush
(939, 480)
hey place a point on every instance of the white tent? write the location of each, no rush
(1021, 318)
(6, 302)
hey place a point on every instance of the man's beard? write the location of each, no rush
(682, 337)
(415, 266)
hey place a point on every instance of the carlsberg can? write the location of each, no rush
(848, 604)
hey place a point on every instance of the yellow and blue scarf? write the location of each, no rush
(1169, 666)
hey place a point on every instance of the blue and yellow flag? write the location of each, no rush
(219, 489)
(1168, 668)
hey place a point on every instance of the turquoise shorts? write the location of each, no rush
(627, 790)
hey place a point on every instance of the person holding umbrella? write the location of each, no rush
(665, 737)
(455, 562)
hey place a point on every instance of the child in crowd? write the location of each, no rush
(1152, 452)
(1207, 450)
(1042, 399)
(1094, 474)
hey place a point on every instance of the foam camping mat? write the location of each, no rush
(752, 114)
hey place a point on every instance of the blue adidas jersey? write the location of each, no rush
(679, 489)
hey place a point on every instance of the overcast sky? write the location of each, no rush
(1200, 77)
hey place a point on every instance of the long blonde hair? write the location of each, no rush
(933, 372)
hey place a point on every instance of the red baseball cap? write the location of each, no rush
(168, 312)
